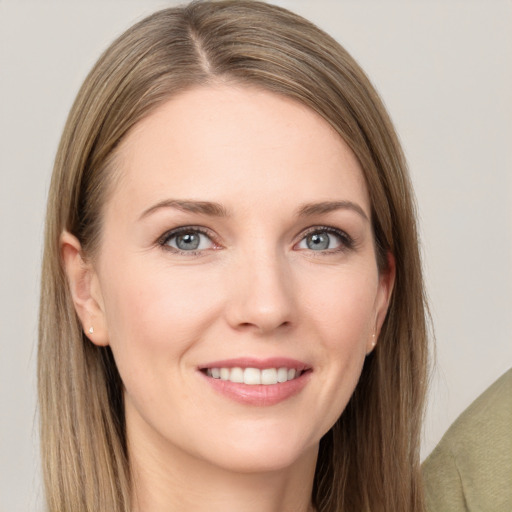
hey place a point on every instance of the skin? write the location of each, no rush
(255, 288)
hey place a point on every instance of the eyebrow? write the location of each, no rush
(217, 210)
(203, 207)
(310, 209)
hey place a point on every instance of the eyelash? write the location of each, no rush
(346, 241)
(169, 235)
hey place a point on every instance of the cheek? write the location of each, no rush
(343, 308)
(343, 318)
(155, 316)
(154, 312)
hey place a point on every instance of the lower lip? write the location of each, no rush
(259, 394)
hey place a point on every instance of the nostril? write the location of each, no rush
(262, 326)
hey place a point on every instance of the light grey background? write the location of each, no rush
(444, 69)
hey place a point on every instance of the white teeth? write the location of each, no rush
(269, 376)
(236, 375)
(253, 376)
(282, 375)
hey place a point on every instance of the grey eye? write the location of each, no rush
(189, 241)
(321, 241)
(318, 241)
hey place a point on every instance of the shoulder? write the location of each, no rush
(471, 468)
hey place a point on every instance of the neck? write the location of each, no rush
(168, 480)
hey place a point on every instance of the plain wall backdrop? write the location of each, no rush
(444, 70)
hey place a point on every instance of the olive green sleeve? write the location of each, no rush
(470, 470)
(443, 486)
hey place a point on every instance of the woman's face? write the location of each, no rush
(237, 246)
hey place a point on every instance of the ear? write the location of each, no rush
(383, 298)
(85, 289)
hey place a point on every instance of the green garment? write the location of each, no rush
(470, 470)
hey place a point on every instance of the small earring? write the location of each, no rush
(91, 330)
(374, 342)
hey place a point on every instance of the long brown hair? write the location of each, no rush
(369, 460)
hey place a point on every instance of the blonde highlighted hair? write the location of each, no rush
(369, 460)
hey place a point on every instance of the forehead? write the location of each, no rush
(239, 146)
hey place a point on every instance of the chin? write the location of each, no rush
(262, 454)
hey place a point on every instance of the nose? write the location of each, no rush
(262, 297)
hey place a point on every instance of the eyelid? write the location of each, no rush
(347, 242)
(163, 239)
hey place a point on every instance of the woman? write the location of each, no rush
(232, 309)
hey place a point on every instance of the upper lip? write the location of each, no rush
(261, 364)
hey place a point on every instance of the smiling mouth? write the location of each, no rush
(257, 382)
(254, 376)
